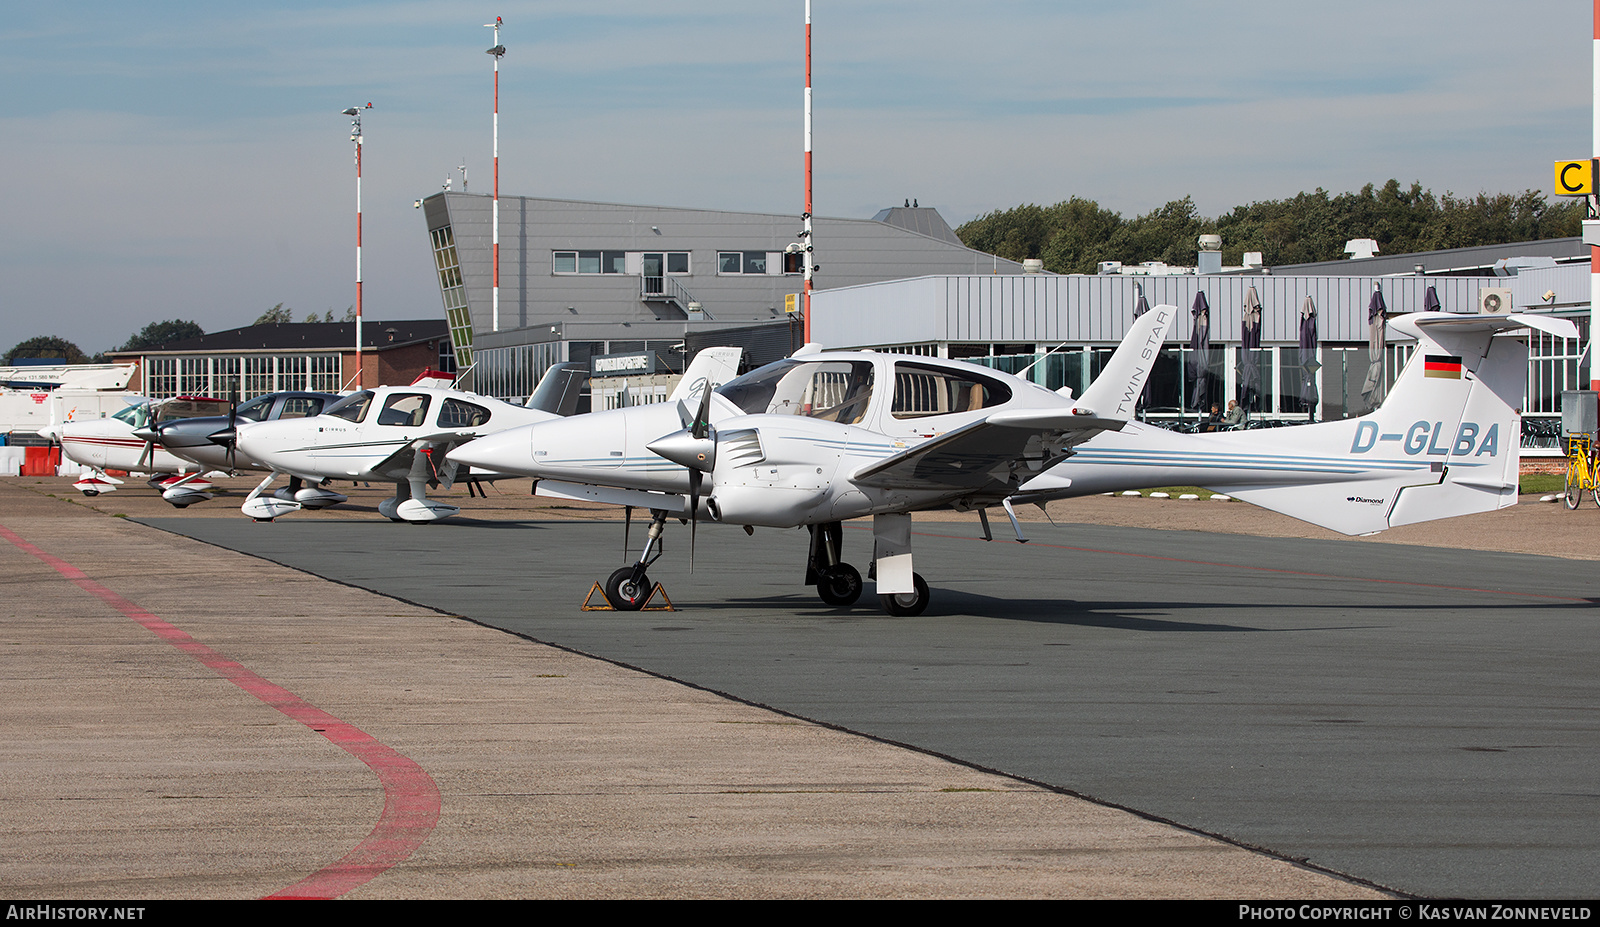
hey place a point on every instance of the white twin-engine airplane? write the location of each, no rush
(398, 434)
(823, 437)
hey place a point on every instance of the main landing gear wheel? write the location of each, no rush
(91, 493)
(623, 593)
(839, 584)
(907, 604)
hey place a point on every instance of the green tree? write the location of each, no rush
(276, 315)
(47, 346)
(1075, 235)
(159, 333)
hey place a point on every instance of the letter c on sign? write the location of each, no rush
(1566, 177)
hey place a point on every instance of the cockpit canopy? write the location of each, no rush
(841, 390)
(836, 391)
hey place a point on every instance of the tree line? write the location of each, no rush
(1074, 236)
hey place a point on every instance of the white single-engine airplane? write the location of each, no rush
(127, 441)
(397, 434)
(824, 437)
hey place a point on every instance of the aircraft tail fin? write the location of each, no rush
(715, 366)
(1445, 442)
(560, 388)
(1115, 392)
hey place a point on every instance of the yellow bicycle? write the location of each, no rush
(1581, 470)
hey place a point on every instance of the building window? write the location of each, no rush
(741, 262)
(292, 371)
(258, 376)
(1552, 369)
(194, 376)
(160, 377)
(589, 262)
(325, 373)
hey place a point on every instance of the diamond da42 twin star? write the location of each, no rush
(827, 436)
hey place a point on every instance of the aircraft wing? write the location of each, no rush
(995, 454)
(405, 454)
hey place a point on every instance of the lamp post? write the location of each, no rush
(354, 113)
(497, 52)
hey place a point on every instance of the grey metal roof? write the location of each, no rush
(1479, 260)
(923, 220)
(848, 252)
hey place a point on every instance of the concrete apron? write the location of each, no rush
(182, 721)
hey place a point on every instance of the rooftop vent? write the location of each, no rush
(1359, 248)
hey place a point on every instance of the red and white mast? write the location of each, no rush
(354, 113)
(1594, 250)
(497, 52)
(806, 216)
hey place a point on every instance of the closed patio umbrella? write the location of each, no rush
(1309, 364)
(1373, 387)
(1249, 344)
(1200, 353)
(1140, 308)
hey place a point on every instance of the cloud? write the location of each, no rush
(188, 160)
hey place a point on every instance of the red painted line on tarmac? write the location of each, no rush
(410, 797)
(1260, 569)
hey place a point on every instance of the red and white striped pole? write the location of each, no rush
(809, 254)
(497, 52)
(354, 113)
(1594, 250)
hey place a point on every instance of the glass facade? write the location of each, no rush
(454, 292)
(252, 375)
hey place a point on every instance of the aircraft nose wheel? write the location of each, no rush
(839, 584)
(907, 604)
(623, 593)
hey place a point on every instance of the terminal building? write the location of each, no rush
(582, 280)
(1061, 328)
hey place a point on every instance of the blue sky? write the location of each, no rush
(188, 160)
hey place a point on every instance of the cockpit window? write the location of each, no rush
(409, 410)
(836, 391)
(458, 414)
(926, 390)
(352, 408)
(137, 416)
(301, 406)
(256, 409)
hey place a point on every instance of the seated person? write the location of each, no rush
(1235, 416)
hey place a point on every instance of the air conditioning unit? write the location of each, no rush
(1493, 300)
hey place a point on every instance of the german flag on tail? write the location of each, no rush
(1442, 366)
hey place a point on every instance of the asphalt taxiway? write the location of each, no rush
(1417, 717)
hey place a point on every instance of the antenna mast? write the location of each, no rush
(806, 216)
(497, 52)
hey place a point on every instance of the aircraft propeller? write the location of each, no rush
(147, 432)
(233, 421)
(695, 448)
